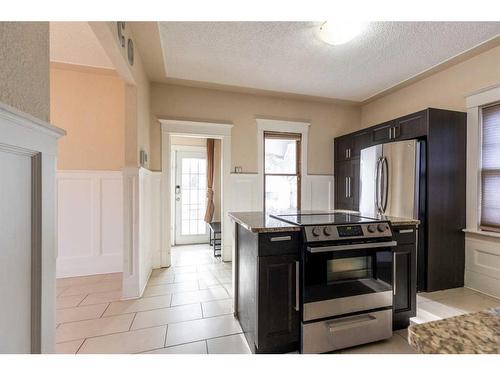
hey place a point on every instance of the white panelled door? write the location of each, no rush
(190, 197)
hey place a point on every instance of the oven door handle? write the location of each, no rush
(355, 322)
(370, 245)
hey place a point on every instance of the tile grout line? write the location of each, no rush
(83, 342)
(165, 341)
(109, 304)
(132, 322)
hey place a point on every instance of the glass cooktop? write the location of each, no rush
(323, 218)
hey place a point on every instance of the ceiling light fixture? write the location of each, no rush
(340, 32)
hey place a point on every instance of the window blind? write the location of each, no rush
(490, 169)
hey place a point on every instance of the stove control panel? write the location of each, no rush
(332, 232)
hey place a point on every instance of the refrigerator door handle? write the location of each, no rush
(377, 185)
(385, 174)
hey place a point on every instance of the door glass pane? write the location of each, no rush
(280, 156)
(281, 193)
(193, 192)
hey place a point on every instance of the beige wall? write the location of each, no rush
(137, 90)
(89, 104)
(327, 120)
(446, 89)
(24, 67)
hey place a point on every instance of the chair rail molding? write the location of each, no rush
(28, 231)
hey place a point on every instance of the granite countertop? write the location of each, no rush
(476, 333)
(261, 222)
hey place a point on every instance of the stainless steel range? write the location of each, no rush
(346, 280)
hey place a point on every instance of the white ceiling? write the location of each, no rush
(76, 43)
(289, 57)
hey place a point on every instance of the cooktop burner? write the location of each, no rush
(323, 218)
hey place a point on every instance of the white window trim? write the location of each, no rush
(301, 128)
(474, 103)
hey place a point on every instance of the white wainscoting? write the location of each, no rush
(318, 192)
(482, 264)
(142, 225)
(90, 222)
(247, 193)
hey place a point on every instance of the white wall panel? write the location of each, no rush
(90, 222)
(482, 264)
(318, 192)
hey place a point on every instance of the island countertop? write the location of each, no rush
(262, 222)
(476, 333)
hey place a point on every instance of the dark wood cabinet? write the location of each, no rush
(347, 184)
(382, 133)
(277, 302)
(343, 148)
(405, 276)
(442, 135)
(266, 289)
(410, 127)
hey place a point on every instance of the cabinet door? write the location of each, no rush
(404, 299)
(342, 174)
(382, 133)
(411, 126)
(354, 184)
(360, 141)
(278, 318)
(343, 148)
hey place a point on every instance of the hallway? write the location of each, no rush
(186, 308)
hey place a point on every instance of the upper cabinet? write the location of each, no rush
(343, 148)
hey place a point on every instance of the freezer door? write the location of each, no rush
(398, 185)
(369, 160)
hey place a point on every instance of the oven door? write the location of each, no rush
(346, 278)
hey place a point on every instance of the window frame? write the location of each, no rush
(483, 227)
(268, 134)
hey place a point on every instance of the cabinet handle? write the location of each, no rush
(297, 285)
(282, 238)
(393, 274)
(404, 230)
(347, 187)
(390, 133)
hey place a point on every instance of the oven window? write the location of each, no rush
(346, 273)
(348, 269)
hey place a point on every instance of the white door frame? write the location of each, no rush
(171, 128)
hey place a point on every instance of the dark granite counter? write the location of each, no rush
(261, 222)
(476, 333)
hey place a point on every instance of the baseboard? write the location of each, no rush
(83, 266)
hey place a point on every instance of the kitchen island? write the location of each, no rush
(267, 255)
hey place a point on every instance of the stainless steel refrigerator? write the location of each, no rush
(389, 175)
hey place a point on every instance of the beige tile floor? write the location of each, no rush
(187, 308)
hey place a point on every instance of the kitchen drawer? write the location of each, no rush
(334, 334)
(405, 235)
(279, 243)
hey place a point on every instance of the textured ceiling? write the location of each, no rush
(289, 57)
(76, 43)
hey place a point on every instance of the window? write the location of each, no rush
(281, 171)
(490, 169)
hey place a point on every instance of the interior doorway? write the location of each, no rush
(191, 174)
